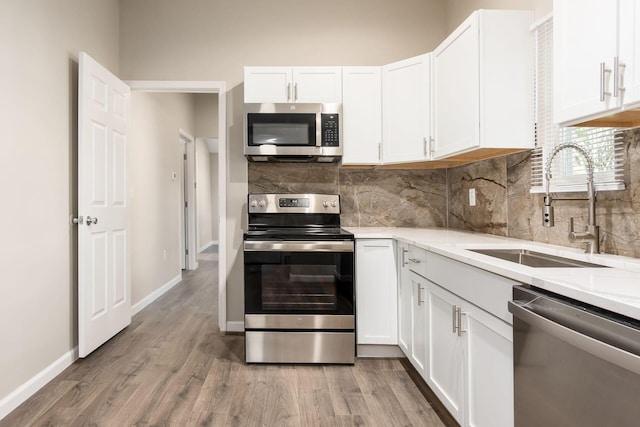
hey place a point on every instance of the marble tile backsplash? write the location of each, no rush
(369, 197)
(440, 198)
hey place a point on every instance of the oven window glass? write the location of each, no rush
(281, 129)
(298, 283)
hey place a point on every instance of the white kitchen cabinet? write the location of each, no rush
(585, 45)
(470, 355)
(413, 336)
(405, 328)
(630, 52)
(376, 292)
(446, 351)
(419, 322)
(406, 110)
(596, 46)
(292, 84)
(488, 344)
(483, 85)
(362, 115)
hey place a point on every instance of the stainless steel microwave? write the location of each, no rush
(293, 132)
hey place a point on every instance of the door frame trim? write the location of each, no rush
(219, 88)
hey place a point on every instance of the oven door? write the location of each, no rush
(299, 302)
(299, 278)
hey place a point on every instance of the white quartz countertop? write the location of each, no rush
(616, 288)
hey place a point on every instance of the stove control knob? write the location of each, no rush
(262, 203)
(325, 203)
(334, 203)
(254, 204)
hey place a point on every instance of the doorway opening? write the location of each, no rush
(205, 87)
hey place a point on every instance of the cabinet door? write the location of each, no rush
(584, 38)
(630, 51)
(446, 350)
(362, 111)
(404, 300)
(419, 331)
(267, 84)
(317, 84)
(376, 292)
(489, 369)
(406, 110)
(456, 91)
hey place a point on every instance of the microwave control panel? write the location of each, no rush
(330, 130)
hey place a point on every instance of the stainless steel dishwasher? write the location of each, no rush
(574, 364)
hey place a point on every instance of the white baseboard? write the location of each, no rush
(140, 305)
(208, 245)
(26, 390)
(235, 326)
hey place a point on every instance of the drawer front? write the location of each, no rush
(484, 289)
(417, 260)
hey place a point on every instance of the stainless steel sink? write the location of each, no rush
(536, 259)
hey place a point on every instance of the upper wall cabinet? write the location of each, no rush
(483, 86)
(293, 84)
(596, 46)
(406, 110)
(362, 111)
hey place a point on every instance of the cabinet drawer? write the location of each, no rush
(486, 290)
(417, 260)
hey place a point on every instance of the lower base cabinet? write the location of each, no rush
(470, 361)
(376, 292)
(419, 332)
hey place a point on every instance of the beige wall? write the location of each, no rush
(39, 45)
(203, 193)
(206, 115)
(155, 154)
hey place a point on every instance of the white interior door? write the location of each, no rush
(104, 278)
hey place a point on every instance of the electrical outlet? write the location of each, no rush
(472, 197)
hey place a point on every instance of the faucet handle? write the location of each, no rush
(571, 230)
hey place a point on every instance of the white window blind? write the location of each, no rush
(568, 169)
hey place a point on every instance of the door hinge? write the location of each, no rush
(186, 251)
(186, 204)
(184, 156)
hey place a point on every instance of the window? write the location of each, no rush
(568, 169)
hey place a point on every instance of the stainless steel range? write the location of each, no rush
(298, 281)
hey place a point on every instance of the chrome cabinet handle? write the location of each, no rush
(603, 77)
(288, 91)
(420, 289)
(459, 318)
(404, 252)
(295, 91)
(414, 260)
(426, 146)
(91, 220)
(618, 88)
(454, 311)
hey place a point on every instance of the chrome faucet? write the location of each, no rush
(591, 234)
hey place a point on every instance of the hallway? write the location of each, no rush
(172, 366)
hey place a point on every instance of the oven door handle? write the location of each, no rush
(617, 356)
(298, 246)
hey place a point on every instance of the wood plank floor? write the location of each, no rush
(172, 366)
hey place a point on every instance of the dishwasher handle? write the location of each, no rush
(617, 356)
